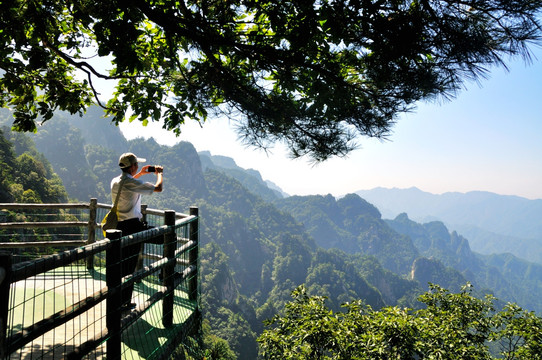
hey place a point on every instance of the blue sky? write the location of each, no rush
(489, 138)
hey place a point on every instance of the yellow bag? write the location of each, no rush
(111, 219)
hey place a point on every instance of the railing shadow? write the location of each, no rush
(154, 339)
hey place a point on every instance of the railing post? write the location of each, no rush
(5, 283)
(170, 245)
(193, 254)
(139, 264)
(92, 209)
(144, 212)
(113, 278)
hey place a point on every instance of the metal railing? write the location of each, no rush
(53, 306)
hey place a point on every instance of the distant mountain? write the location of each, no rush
(434, 240)
(98, 129)
(424, 253)
(492, 223)
(250, 178)
(353, 225)
(276, 188)
(508, 276)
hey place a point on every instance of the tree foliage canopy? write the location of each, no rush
(450, 326)
(312, 74)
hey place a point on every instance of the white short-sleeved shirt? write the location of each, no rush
(129, 205)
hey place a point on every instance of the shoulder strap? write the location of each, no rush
(118, 194)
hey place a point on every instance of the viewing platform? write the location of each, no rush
(60, 284)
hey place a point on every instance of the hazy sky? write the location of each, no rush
(489, 138)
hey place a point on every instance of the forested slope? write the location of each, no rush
(25, 175)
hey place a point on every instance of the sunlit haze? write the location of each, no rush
(489, 138)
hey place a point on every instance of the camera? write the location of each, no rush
(151, 169)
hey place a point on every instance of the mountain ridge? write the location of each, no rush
(492, 222)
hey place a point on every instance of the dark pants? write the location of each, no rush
(130, 253)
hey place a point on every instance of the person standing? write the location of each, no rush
(129, 209)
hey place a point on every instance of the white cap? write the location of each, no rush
(128, 159)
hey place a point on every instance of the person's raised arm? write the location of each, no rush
(159, 179)
(158, 170)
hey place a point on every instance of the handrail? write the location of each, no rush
(31, 268)
(39, 224)
(10, 206)
(92, 223)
